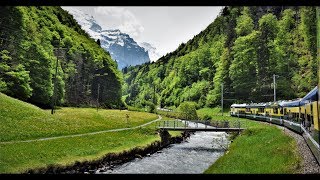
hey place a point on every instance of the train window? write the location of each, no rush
(285, 111)
(260, 110)
(281, 110)
(275, 110)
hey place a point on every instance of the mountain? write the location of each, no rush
(238, 52)
(122, 48)
(152, 51)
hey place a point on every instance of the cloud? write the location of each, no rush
(119, 18)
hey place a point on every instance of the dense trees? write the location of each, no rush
(241, 49)
(34, 41)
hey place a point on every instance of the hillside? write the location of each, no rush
(33, 138)
(23, 121)
(242, 49)
(33, 40)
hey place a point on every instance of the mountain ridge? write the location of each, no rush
(122, 48)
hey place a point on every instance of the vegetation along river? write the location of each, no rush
(193, 156)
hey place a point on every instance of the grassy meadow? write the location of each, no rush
(21, 121)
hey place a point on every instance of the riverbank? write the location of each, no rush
(108, 161)
(263, 149)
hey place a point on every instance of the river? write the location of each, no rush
(193, 156)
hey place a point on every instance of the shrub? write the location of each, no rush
(188, 110)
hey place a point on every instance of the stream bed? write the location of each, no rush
(192, 156)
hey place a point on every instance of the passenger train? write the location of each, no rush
(299, 115)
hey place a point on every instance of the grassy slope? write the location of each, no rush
(262, 148)
(21, 121)
(19, 157)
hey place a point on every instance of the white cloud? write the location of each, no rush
(119, 18)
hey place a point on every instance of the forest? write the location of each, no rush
(240, 52)
(47, 59)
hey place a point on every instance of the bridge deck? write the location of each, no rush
(200, 129)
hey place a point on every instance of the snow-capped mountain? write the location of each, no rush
(122, 48)
(152, 51)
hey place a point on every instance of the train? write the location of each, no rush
(299, 115)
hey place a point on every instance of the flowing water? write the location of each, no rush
(193, 156)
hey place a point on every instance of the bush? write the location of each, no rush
(149, 106)
(188, 110)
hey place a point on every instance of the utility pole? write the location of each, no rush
(274, 88)
(98, 97)
(222, 99)
(55, 80)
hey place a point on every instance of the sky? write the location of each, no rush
(164, 27)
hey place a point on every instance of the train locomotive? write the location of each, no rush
(299, 115)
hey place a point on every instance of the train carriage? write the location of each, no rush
(258, 111)
(238, 110)
(291, 117)
(274, 113)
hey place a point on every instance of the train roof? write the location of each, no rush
(239, 105)
(294, 103)
(311, 96)
(256, 105)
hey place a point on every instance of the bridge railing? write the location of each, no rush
(195, 123)
(171, 123)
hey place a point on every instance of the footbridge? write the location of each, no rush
(214, 126)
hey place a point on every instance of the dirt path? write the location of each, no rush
(84, 134)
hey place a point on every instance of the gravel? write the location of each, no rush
(309, 163)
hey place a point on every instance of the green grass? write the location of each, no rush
(22, 121)
(211, 112)
(259, 150)
(19, 157)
